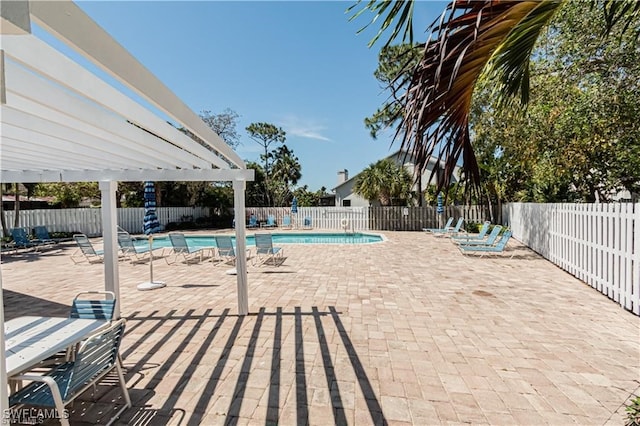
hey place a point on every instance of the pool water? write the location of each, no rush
(288, 238)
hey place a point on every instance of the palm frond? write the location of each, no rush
(474, 38)
(400, 12)
(510, 61)
(622, 12)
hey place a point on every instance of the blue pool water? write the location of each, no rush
(288, 238)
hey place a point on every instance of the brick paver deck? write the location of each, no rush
(403, 332)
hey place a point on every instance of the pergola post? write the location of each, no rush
(241, 258)
(4, 397)
(110, 239)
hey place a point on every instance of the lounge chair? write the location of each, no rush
(21, 239)
(265, 251)
(270, 223)
(253, 222)
(491, 239)
(180, 247)
(446, 226)
(226, 250)
(42, 235)
(286, 222)
(449, 231)
(132, 251)
(488, 249)
(473, 237)
(86, 251)
(307, 223)
(98, 356)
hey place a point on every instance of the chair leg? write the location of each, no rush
(57, 399)
(125, 392)
(123, 383)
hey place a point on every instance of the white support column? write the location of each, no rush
(241, 245)
(4, 397)
(110, 238)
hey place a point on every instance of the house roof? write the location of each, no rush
(393, 154)
(62, 122)
(24, 198)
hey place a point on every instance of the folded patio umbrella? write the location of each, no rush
(150, 222)
(150, 225)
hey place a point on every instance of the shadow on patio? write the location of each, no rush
(269, 367)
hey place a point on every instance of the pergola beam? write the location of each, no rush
(27, 91)
(71, 24)
(48, 62)
(194, 175)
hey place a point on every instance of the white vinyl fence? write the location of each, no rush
(89, 220)
(597, 243)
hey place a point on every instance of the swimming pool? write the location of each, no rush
(288, 238)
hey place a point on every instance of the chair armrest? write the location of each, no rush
(48, 380)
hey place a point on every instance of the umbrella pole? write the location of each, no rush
(151, 259)
(151, 284)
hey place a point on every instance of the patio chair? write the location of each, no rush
(498, 248)
(265, 251)
(97, 309)
(446, 226)
(253, 222)
(491, 239)
(132, 251)
(270, 223)
(101, 309)
(307, 223)
(86, 251)
(475, 237)
(21, 239)
(180, 247)
(97, 357)
(286, 222)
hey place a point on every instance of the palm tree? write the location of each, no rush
(471, 41)
(384, 181)
(285, 172)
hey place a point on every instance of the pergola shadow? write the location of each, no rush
(15, 304)
(226, 331)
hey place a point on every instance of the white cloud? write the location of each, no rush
(296, 126)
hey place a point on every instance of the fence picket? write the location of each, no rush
(89, 220)
(634, 289)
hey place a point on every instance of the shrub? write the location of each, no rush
(472, 227)
(633, 413)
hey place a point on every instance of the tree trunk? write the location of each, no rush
(16, 206)
(420, 194)
(491, 216)
(3, 219)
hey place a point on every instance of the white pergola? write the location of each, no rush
(60, 122)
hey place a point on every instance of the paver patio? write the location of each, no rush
(403, 332)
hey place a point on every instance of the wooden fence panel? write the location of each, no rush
(398, 218)
(597, 243)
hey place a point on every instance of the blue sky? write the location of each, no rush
(298, 65)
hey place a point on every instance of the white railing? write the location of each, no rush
(329, 218)
(597, 243)
(89, 220)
